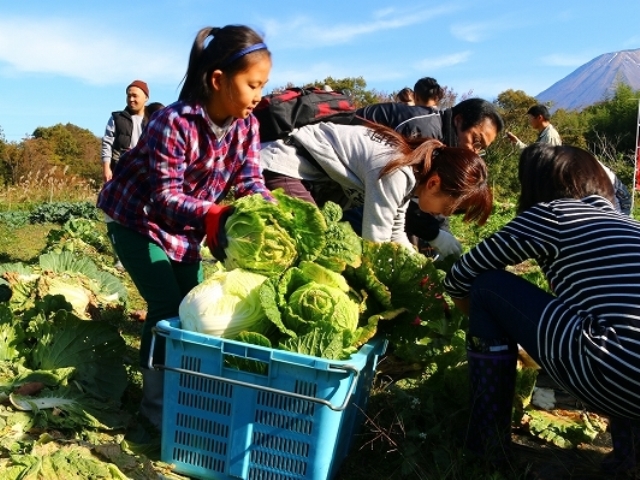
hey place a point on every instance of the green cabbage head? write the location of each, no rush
(312, 296)
(225, 304)
(269, 237)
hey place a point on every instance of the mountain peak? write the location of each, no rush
(594, 81)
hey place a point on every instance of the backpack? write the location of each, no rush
(280, 113)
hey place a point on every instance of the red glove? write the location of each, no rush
(214, 222)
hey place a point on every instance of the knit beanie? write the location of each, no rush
(141, 85)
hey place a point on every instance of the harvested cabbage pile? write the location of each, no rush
(268, 238)
(298, 278)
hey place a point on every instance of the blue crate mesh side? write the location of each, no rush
(197, 419)
(197, 463)
(213, 429)
(293, 436)
(355, 414)
(257, 474)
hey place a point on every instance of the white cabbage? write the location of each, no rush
(225, 304)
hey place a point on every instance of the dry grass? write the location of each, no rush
(53, 185)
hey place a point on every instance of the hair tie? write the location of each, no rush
(243, 52)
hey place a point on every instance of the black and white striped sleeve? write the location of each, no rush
(532, 234)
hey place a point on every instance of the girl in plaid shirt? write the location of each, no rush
(165, 192)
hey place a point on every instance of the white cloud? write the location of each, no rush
(83, 51)
(435, 63)
(479, 31)
(470, 32)
(304, 31)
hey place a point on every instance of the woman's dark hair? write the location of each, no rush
(405, 95)
(428, 88)
(473, 111)
(222, 52)
(463, 173)
(549, 172)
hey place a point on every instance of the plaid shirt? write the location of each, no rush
(163, 187)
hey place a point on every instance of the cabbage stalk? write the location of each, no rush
(225, 304)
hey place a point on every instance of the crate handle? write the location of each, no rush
(346, 368)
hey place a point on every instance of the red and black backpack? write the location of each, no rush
(280, 113)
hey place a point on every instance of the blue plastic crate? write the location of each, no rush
(293, 421)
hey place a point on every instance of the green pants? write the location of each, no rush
(162, 282)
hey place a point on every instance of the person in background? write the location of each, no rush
(473, 123)
(122, 133)
(166, 192)
(379, 170)
(428, 92)
(583, 333)
(150, 109)
(540, 120)
(405, 96)
(124, 127)
(419, 120)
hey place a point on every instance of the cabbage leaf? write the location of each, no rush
(343, 246)
(95, 349)
(225, 304)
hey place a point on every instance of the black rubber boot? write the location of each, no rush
(625, 439)
(492, 376)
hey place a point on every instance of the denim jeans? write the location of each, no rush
(505, 305)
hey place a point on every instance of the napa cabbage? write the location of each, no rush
(83, 285)
(308, 297)
(269, 237)
(225, 304)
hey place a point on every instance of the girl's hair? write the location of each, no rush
(428, 88)
(549, 172)
(232, 49)
(463, 173)
(405, 95)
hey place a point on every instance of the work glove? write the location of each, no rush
(214, 222)
(446, 244)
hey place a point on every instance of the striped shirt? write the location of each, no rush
(589, 335)
(163, 187)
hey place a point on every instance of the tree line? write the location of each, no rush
(608, 129)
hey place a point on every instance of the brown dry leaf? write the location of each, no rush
(29, 389)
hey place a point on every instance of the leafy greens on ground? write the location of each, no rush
(84, 286)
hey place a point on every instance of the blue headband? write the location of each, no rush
(243, 52)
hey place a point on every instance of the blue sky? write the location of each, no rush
(69, 62)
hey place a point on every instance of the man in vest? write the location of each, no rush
(123, 131)
(124, 127)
